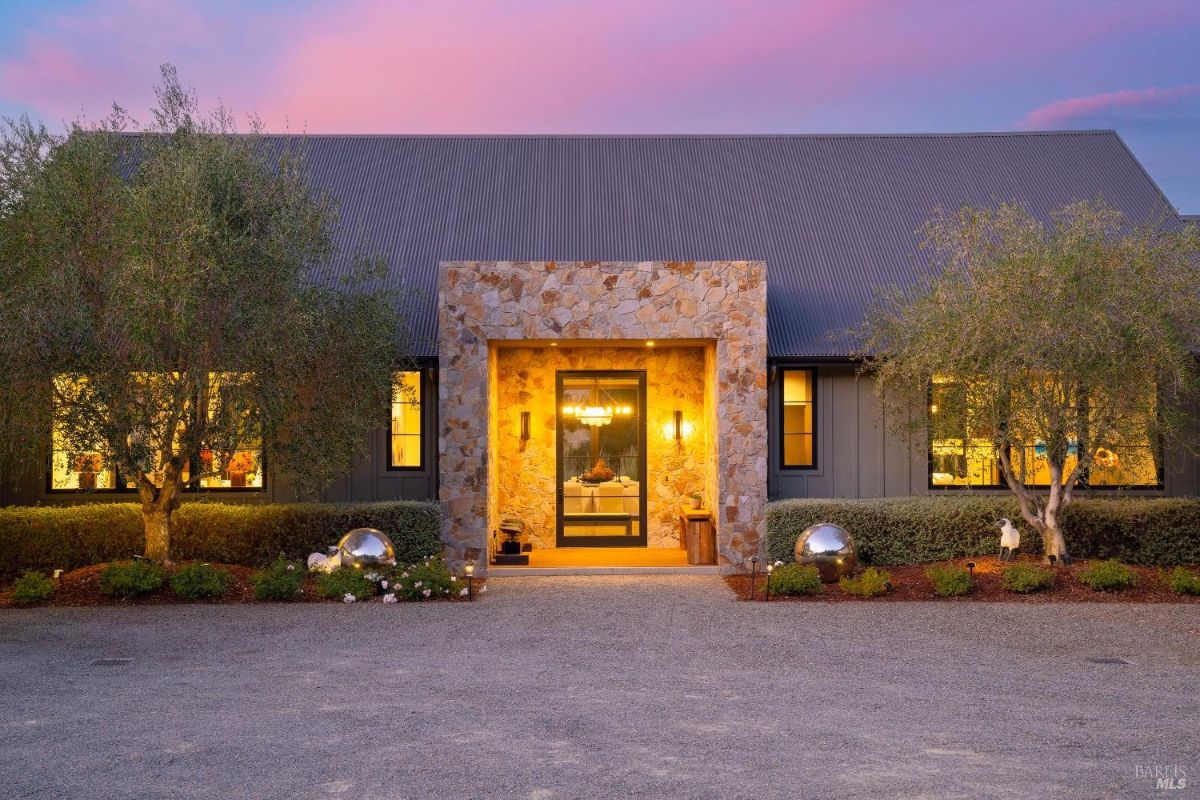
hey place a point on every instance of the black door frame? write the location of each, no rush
(643, 493)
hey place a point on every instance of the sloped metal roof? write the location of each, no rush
(833, 216)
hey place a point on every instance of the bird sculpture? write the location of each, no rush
(1010, 539)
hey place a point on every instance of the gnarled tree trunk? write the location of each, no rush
(158, 505)
(1041, 515)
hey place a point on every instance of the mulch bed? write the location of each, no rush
(910, 583)
(81, 587)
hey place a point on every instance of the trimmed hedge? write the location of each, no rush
(914, 530)
(67, 537)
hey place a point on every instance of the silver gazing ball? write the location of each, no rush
(829, 548)
(365, 547)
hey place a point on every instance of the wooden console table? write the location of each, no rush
(697, 536)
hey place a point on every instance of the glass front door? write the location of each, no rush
(601, 459)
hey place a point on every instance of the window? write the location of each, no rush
(961, 456)
(75, 469)
(798, 405)
(406, 428)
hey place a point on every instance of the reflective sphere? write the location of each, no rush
(364, 547)
(829, 548)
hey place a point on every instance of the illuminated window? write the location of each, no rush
(799, 406)
(405, 433)
(74, 469)
(241, 468)
(960, 456)
(78, 470)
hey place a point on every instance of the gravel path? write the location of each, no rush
(599, 687)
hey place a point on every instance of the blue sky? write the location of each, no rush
(634, 66)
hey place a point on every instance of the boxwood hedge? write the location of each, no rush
(1158, 531)
(66, 537)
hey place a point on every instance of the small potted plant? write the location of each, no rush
(695, 499)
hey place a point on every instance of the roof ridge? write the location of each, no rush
(887, 135)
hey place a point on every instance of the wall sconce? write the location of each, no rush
(524, 426)
(678, 425)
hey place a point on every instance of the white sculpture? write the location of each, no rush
(1010, 539)
(319, 562)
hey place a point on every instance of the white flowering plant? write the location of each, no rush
(429, 579)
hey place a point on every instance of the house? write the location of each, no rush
(604, 325)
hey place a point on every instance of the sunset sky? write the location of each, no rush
(633, 66)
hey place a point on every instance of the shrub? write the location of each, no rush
(1183, 581)
(1107, 576)
(795, 579)
(949, 581)
(45, 537)
(429, 579)
(282, 580)
(344, 581)
(870, 582)
(913, 530)
(131, 578)
(31, 588)
(201, 581)
(1026, 578)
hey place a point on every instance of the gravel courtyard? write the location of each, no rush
(600, 687)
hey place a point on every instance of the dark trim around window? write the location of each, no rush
(781, 371)
(425, 382)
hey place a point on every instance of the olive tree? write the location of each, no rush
(1049, 347)
(169, 307)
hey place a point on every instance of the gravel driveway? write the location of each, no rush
(600, 687)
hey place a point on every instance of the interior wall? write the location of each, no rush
(525, 473)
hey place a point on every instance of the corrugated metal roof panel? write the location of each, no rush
(833, 216)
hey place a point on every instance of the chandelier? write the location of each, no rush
(596, 416)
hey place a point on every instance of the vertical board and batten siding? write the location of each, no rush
(859, 455)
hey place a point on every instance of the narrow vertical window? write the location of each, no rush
(799, 414)
(405, 450)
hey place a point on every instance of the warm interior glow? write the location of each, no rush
(596, 416)
(797, 430)
(406, 419)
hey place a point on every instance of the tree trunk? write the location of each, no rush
(157, 522)
(1054, 543)
(158, 504)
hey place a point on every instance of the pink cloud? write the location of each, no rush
(1062, 113)
(542, 65)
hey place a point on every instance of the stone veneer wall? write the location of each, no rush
(526, 472)
(485, 302)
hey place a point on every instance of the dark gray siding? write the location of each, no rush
(859, 455)
(367, 479)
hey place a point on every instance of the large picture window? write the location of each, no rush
(960, 456)
(798, 410)
(405, 434)
(76, 468)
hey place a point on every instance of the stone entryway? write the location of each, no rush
(505, 328)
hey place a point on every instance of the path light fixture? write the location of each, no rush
(770, 569)
(469, 571)
(971, 568)
(753, 575)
